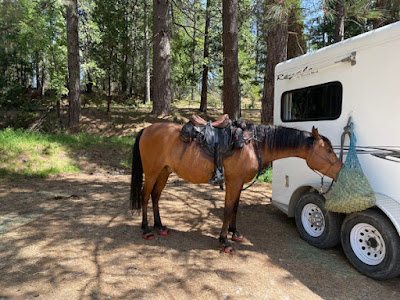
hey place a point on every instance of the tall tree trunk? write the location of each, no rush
(277, 52)
(193, 79)
(339, 23)
(42, 81)
(104, 85)
(19, 73)
(124, 75)
(89, 84)
(381, 5)
(204, 81)
(74, 95)
(256, 69)
(58, 110)
(146, 54)
(296, 41)
(231, 98)
(24, 76)
(37, 71)
(109, 92)
(109, 79)
(133, 68)
(394, 11)
(161, 59)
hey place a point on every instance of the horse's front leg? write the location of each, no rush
(232, 195)
(236, 235)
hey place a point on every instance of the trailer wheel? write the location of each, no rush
(372, 244)
(315, 224)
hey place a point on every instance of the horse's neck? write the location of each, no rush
(283, 142)
(271, 155)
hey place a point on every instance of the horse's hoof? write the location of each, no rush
(163, 232)
(148, 236)
(237, 237)
(227, 249)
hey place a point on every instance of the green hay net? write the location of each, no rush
(352, 191)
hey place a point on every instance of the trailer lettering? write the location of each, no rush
(301, 73)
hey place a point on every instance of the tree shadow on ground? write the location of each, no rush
(73, 236)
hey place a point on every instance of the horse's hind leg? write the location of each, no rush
(147, 188)
(155, 196)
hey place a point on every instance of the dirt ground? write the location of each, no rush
(72, 237)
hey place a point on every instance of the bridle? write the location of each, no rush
(331, 164)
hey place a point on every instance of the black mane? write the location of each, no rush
(279, 137)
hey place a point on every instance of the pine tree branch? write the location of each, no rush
(182, 11)
(185, 26)
(297, 40)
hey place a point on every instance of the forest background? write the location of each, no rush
(116, 40)
(57, 57)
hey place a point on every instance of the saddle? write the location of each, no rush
(222, 121)
(217, 139)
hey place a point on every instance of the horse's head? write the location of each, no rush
(322, 157)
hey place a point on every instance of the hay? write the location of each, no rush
(352, 191)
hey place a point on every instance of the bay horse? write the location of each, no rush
(159, 151)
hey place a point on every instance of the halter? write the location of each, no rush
(331, 164)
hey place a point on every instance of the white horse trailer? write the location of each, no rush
(357, 78)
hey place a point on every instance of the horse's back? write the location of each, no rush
(158, 138)
(159, 131)
(161, 146)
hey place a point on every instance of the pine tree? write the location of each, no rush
(161, 58)
(74, 95)
(231, 97)
(277, 41)
(146, 54)
(204, 80)
(339, 23)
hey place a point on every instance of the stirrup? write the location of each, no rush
(217, 178)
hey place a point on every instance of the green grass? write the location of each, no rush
(266, 176)
(35, 154)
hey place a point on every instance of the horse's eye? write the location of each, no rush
(329, 151)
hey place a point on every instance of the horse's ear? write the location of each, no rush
(315, 133)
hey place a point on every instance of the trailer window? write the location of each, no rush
(319, 102)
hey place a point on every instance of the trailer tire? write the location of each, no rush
(378, 256)
(316, 225)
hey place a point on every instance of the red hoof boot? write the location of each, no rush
(237, 237)
(148, 236)
(227, 249)
(163, 232)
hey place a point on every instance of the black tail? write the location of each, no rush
(137, 176)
